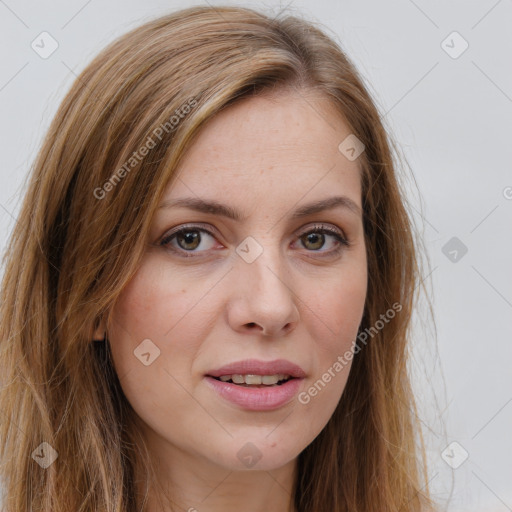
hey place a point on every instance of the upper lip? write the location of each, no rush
(258, 367)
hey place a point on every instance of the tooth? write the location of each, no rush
(253, 379)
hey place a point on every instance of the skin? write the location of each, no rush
(299, 300)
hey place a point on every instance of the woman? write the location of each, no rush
(208, 290)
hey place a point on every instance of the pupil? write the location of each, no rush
(313, 237)
(189, 237)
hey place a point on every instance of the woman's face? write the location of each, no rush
(267, 294)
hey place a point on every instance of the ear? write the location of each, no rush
(100, 330)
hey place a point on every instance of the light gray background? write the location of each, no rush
(452, 117)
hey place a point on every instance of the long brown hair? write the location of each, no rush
(81, 234)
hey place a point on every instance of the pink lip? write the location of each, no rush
(257, 367)
(258, 399)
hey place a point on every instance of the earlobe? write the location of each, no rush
(100, 332)
(100, 337)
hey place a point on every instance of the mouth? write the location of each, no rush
(257, 385)
(255, 381)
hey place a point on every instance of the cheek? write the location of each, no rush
(336, 313)
(337, 308)
(156, 303)
(151, 307)
(152, 341)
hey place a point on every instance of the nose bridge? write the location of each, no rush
(261, 271)
(262, 263)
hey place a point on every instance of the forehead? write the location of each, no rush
(272, 147)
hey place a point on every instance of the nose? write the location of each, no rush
(262, 300)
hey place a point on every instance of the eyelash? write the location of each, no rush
(319, 228)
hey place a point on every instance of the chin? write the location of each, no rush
(258, 452)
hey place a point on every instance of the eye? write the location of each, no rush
(186, 240)
(315, 239)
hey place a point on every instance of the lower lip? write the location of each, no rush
(256, 399)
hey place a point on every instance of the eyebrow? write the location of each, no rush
(216, 208)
